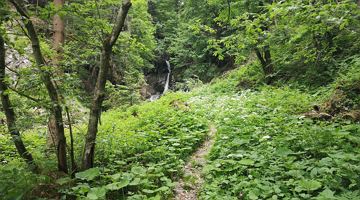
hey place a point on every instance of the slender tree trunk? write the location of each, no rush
(266, 62)
(9, 112)
(58, 41)
(59, 32)
(264, 55)
(99, 91)
(74, 167)
(260, 57)
(269, 69)
(56, 109)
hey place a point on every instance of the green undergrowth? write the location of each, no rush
(141, 152)
(16, 179)
(264, 147)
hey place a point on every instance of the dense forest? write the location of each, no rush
(180, 99)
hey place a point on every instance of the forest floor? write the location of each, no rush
(188, 187)
(218, 141)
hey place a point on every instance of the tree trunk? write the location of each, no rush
(266, 63)
(58, 40)
(56, 109)
(9, 112)
(52, 133)
(59, 35)
(269, 69)
(99, 91)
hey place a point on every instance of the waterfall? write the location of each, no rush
(166, 88)
(156, 96)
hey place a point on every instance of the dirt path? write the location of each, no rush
(188, 187)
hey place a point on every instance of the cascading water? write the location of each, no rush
(166, 88)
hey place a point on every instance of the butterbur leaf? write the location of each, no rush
(136, 181)
(63, 181)
(138, 170)
(89, 174)
(252, 195)
(96, 193)
(326, 194)
(115, 176)
(81, 188)
(157, 197)
(148, 191)
(283, 151)
(309, 185)
(246, 162)
(118, 185)
(163, 189)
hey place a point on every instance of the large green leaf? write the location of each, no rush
(246, 162)
(327, 194)
(309, 185)
(118, 185)
(138, 170)
(89, 174)
(96, 193)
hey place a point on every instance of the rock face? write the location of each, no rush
(14, 61)
(353, 115)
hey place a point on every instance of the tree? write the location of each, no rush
(99, 92)
(58, 40)
(10, 113)
(58, 28)
(51, 88)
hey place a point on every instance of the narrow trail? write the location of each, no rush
(190, 184)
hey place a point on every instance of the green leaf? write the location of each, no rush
(148, 191)
(246, 162)
(138, 170)
(309, 185)
(157, 197)
(89, 174)
(96, 193)
(118, 185)
(283, 151)
(115, 177)
(63, 181)
(163, 189)
(136, 181)
(326, 194)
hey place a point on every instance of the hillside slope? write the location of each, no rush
(264, 147)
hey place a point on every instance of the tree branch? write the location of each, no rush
(24, 95)
(119, 22)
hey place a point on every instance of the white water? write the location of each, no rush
(166, 88)
(156, 96)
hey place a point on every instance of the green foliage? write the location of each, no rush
(121, 96)
(243, 78)
(349, 81)
(307, 40)
(89, 174)
(264, 149)
(89, 22)
(140, 151)
(16, 180)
